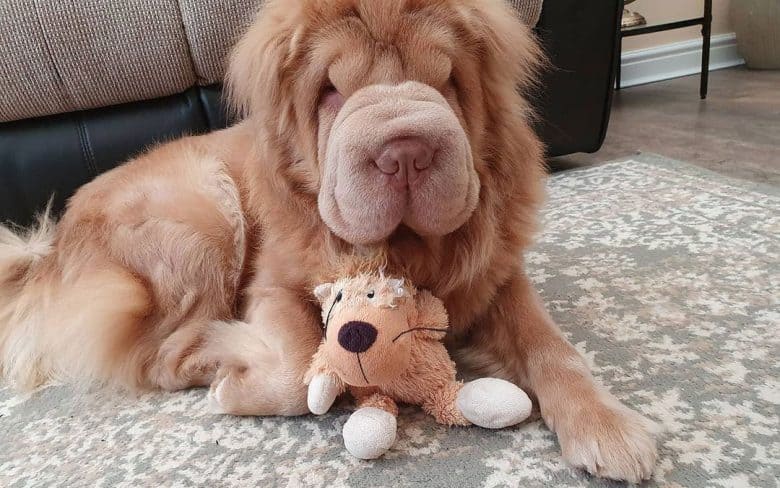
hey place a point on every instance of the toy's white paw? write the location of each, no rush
(493, 403)
(323, 391)
(369, 433)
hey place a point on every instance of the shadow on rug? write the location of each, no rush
(666, 279)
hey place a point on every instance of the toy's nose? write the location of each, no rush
(357, 336)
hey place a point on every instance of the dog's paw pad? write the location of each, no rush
(493, 403)
(369, 433)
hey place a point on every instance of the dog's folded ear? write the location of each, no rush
(262, 62)
(432, 321)
(504, 44)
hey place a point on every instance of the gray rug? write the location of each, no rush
(666, 279)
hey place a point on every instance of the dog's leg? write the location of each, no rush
(518, 340)
(182, 361)
(262, 362)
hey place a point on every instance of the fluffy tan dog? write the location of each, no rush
(368, 124)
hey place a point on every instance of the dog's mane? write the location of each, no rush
(472, 262)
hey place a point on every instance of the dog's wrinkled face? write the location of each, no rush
(394, 154)
(391, 147)
(381, 107)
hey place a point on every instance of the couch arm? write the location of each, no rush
(574, 97)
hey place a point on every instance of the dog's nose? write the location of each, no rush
(405, 158)
(357, 336)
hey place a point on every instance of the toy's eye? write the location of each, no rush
(338, 297)
(370, 294)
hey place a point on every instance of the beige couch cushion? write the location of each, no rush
(64, 55)
(212, 27)
(528, 10)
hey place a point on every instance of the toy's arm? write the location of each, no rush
(431, 315)
(323, 390)
(324, 385)
(441, 404)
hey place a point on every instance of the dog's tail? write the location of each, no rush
(21, 254)
(68, 314)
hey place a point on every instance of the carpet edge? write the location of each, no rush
(685, 167)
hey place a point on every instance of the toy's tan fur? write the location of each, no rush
(142, 276)
(416, 369)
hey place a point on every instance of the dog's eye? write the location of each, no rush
(452, 81)
(331, 97)
(370, 294)
(328, 87)
(338, 297)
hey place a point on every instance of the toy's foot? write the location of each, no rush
(493, 403)
(369, 433)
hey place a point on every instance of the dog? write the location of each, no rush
(398, 126)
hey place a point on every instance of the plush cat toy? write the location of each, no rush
(382, 343)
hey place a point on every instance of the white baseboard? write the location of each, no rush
(677, 59)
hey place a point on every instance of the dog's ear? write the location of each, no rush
(431, 321)
(262, 61)
(504, 44)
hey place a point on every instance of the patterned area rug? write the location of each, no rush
(666, 278)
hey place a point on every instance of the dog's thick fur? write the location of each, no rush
(144, 278)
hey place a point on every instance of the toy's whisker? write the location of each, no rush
(361, 369)
(419, 328)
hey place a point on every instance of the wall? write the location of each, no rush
(658, 11)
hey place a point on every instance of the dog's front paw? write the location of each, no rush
(216, 395)
(607, 439)
(493, 403)
(243, 391)
(369, 432)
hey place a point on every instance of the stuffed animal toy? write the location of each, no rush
(382, 343)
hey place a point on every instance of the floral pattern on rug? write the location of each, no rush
(666, 278)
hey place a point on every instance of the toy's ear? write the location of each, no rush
(397, 285)
(323, 291)
(432, 320)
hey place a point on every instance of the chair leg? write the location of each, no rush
(618, 61)
(706, 32)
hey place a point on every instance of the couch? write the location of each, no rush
(86, 84)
